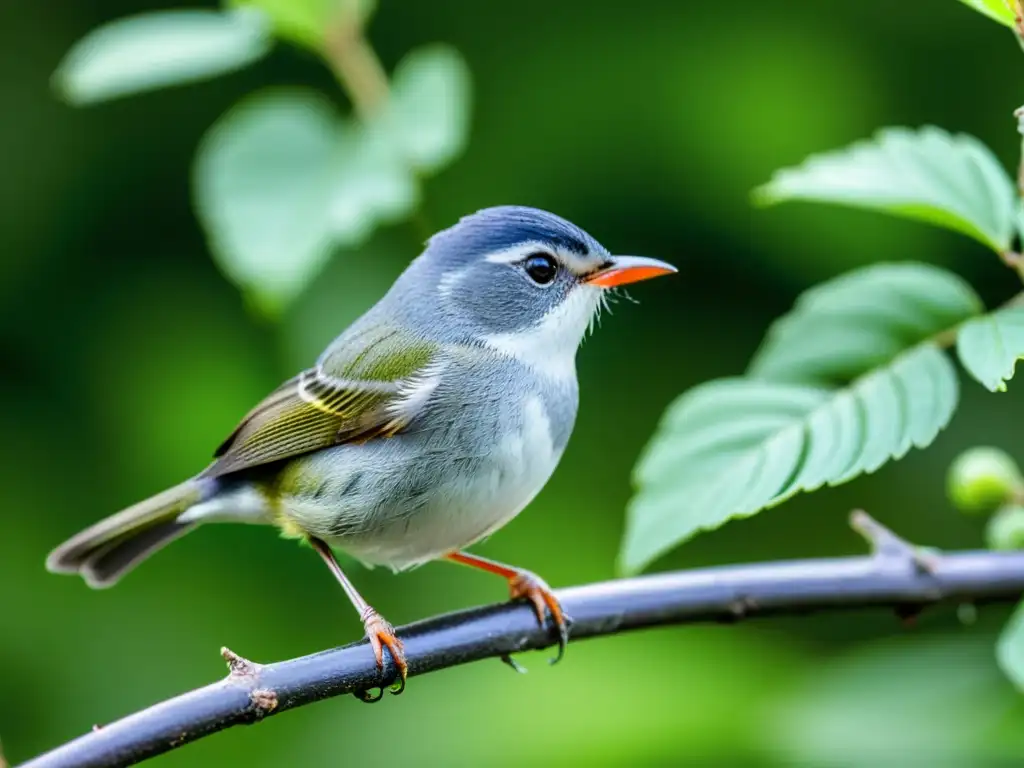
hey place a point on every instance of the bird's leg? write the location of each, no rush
(522, 583)
(379, 632)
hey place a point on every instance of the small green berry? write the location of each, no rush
(981, 479)
(1006, 528)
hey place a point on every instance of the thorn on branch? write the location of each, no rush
(239, 666)
(264, 701)
(742, 606)
(887, 546)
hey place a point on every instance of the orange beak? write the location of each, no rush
(628, 269)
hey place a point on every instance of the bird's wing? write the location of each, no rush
(370, 383)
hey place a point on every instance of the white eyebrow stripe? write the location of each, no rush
(576, 263)
(579, 265)
(517, 252)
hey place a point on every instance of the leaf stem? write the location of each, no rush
(356, 65)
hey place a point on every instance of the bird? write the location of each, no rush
(427, 425)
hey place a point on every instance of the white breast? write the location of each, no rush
(468, 508)
(522, 463)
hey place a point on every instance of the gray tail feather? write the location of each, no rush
(106, 566)
(105, 552)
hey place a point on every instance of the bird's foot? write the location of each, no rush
(532, 587)
(381, 634)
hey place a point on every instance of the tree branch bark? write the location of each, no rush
(897, 575)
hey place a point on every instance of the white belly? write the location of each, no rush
(465, 509)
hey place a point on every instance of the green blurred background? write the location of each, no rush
(127, 357)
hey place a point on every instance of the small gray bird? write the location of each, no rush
(426, 426)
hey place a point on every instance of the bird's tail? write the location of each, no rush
(105, 552)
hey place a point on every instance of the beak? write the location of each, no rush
(628, 269)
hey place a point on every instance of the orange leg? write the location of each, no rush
(522, 583)
(378, 631)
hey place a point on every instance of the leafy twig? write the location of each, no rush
(897, 575)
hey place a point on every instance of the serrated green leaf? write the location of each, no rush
(306, 21)
(429, 107)
(990, 346)
(263, 176)
(928, 174)
(851, 378)
(1010, 648)
(997, 10)
(850, 324)
(733, 447)
(159, 49)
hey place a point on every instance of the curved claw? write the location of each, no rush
(397, 688)
(367, 698)
(563, 637)
(515, 665)
(541, 596)
(381, 634)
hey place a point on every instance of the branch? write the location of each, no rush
(897, 575)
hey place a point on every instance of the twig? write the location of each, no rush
(356, 66)
(897, 576)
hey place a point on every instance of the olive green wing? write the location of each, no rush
(367, 385)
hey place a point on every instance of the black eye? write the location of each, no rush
(541, 268)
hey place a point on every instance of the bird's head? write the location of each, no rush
(525, 281)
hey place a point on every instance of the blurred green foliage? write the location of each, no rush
(127, 358)
(153, 50)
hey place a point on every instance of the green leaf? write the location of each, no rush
(154, 50)
(990, 346)
(927, 174)
(997, 10)
(850, 324)
(847, 381)
(262, 176)
(306, 21)
(1010, 648)
(430, 105)
(374, 185)
(281, 179)
(732, 447)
